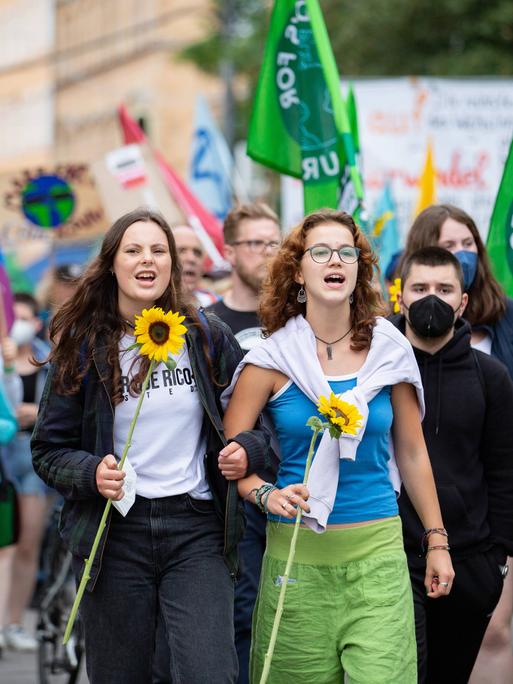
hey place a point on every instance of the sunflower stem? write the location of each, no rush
(86, 575)
(290, 559)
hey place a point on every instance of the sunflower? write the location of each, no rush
(342, 415)
(394, 290)
(159, 334)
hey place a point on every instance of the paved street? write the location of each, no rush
(21, 668)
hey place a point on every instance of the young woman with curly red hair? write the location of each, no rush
(348, 607)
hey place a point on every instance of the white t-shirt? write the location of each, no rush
(168, 447)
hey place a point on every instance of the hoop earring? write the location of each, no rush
(351, 298)
(301, 295)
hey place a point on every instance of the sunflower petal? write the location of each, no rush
(160, 349)
(343, 417)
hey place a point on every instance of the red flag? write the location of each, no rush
(194, 211)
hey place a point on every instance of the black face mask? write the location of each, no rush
(431, 316)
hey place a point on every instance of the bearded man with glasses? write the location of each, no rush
(252, 236)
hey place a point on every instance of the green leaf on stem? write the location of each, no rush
(170, 363)
(315, 423)
(335, 432)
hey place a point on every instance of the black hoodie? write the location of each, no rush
(468, 430)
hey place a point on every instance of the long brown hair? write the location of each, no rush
(91, 316)
(279, 295)
(487, 301)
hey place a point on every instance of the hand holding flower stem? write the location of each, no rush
(86, 576)
(158, 335)
(341, 417)
(290, 559)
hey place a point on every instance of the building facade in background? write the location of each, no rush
(65, 66)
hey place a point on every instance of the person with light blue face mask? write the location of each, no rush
(490, 313)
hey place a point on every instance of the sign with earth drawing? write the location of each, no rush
(47, 201)
(49, 204)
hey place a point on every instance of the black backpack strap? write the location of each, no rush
(206, 329)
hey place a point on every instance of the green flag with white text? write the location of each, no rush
(299, 124)
(499, 243)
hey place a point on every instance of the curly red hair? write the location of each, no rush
(279, 295)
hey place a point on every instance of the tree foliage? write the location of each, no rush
(421, 37)
(372, 38)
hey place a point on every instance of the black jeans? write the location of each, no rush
(450, 630)
(165, 555)
(251, 551)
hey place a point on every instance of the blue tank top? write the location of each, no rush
(364, 490)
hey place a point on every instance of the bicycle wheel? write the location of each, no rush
(58, 664)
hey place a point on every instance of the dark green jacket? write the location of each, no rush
(73, 433)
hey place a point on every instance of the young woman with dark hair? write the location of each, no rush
(348, 607)
(175, 551)
(490, 314)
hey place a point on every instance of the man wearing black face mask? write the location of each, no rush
(467, 428)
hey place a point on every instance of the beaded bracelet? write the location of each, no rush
(432, 530)
(266, 499)
(258, 495)
(439, 547)
(261, 491)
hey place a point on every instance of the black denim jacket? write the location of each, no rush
(73, 433)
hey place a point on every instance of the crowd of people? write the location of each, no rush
(401, 567)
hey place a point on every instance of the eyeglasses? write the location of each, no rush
(323, 253)
(259, 246)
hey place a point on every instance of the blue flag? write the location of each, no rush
(385, 231)
(211, 163)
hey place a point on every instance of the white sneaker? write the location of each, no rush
(18, 639)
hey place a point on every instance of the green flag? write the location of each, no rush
(352, 115)
(499, 243)
(349, 200)
(299, 124)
